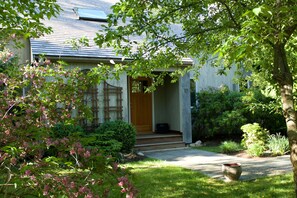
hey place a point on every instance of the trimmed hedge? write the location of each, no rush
(123, 133)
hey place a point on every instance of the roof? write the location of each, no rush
(67, 26)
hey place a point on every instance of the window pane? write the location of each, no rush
(91, 14)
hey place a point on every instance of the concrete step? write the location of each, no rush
(159, 146)
(159, 138)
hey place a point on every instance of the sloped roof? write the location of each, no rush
(67, 26)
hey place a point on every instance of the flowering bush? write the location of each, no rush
(33, 162)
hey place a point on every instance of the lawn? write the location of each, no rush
(156, 179)
(215, 149)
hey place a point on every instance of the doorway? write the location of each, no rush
(141, 104)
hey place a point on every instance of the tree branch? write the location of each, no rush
(230, 14)
(290, 30)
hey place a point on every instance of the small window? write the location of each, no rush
(139, 86)
(91, 14)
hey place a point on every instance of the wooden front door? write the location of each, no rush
(141, 104)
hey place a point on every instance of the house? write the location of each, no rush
(210, 77)
(166, 108)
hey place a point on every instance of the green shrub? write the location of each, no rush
(255, 150)
(230, 147)
(219, 113)
(278, 144)
(254, 134)
(104, 142)
(123, 132)
(61, 130)
(264, 110)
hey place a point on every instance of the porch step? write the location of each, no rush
(158, 146)
(148, 142)
(158, 138)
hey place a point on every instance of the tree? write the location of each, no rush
(23, 19)
(33, 98)
(259, 36)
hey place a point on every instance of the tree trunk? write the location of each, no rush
(283, 77)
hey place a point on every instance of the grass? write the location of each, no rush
(226, 147)
(156, 179)
(215, 149)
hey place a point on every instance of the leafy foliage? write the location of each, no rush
(254, 134)
(256, 149)
(123, 132)
(230, 147)
(265, 109)
(254, 138)
(278, 144)
(259, 37)
(61, 130)
(24, 19)
(39, 157)
(104, 142)
(221, 113)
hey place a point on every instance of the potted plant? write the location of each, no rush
(232, 171)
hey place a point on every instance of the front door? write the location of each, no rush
(141, 104)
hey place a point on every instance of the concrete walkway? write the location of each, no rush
(210, 163)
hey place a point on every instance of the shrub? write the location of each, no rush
(61, 130)
(71, 170)
(123, 132)
(264, 110)
(230, 147)
(255, 149)
(104, 142)
(219, 113)
(278, 144)
(254, 134)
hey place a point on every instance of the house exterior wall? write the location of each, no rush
(209, 77)
(122, 82)
(23, 53)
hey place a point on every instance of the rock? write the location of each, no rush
(198, 143)
(140, 154)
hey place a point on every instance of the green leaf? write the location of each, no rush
(257, 11)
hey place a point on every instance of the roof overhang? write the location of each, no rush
(85, 59)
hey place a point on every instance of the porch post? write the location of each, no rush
(185, 108)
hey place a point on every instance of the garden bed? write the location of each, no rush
(214, 146)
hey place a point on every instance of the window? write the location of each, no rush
(90, 99)
(91, 14)
(139, 86)
(193, 92)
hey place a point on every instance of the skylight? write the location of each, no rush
(91, 14)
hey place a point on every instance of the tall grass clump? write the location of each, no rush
(278, 144)
(230, 147)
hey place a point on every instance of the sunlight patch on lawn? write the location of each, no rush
(156, 179)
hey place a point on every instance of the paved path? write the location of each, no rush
(210, 163)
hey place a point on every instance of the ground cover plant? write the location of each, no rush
(157, 179)
(255, 142)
